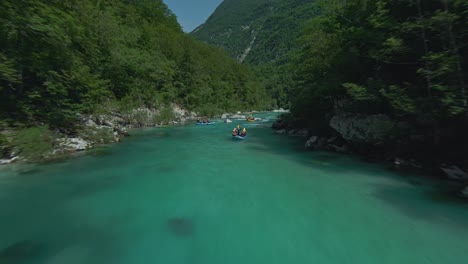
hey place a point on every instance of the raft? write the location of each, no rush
(251, 120)
(239, 137)
(205, 124)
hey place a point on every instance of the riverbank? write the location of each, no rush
(111, 126)
(94, 130)
(369, 137)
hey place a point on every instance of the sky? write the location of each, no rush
(192, 13)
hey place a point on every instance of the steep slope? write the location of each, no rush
(256, 32)
(234, 25)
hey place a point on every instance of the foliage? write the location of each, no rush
(270, 28)
(34, 143)
(61, 58)
(406, 56)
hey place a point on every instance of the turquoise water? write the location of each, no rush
(192, 195)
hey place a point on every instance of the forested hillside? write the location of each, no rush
(263, 34)
(60, 58)
(403, 60)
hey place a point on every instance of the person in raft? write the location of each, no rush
(234, 132)
(244, 132)
(238, 128)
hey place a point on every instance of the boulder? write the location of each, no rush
(281, 131)
(311, 142)
(8, 161)
(364, 129)
(227, 120)
(74, 144)
(281, 110)
(336, 148)
(238, 117)
(464, 192)
(455, 173)
(279, 124)
(224, 116)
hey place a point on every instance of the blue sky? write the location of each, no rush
(192, 13)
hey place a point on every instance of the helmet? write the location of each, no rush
(244, 129)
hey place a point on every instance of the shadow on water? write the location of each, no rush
(181, 226)
(423, 196)
(413, 202)
(20, 252)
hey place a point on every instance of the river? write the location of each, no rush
(192, 195)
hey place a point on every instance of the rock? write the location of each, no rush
(224, 116)
(342, 149)
(464, 192)
(238, 117)
(303, 133)
(281, 131)
(455, 173)
(74, 144)
(279, 124)
(310, 144)
(372, 129)
(90, 123)
(322, 142)
(292, 132)
(258, 119)
(8, 161)
(331, 140)
(281, 110)
(227, 120)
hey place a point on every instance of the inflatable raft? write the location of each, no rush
(239, 137)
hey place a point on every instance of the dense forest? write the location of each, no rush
(60, 58)
(405, 59)
(263, 34)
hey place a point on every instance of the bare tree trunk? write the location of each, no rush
(426, 48)
(456, 51)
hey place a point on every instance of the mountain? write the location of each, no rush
(256, 32)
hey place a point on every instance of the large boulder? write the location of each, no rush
(364, 129)
(279, 124)
(74, 144)
(455, 173)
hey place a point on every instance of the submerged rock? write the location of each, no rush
(20, 252)
(182, 227)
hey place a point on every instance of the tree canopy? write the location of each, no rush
(60, 58)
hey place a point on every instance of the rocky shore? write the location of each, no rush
(107, 128)
(375, 138)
